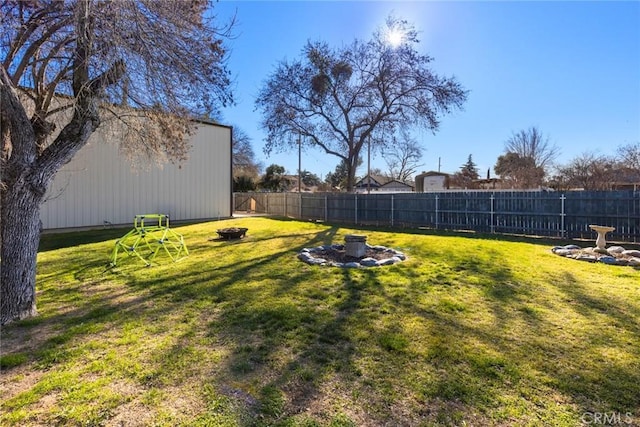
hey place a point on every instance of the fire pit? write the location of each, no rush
(232, 233)
(355, 253)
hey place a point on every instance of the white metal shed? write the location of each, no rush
(100, 187)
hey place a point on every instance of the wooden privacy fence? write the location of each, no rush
(552, 214)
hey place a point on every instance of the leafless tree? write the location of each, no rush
(588, 171)
(340, 99)
(403, 156)
(139, 69)
(629, 156)
(628, 159)
(244, 159)
(528, 157)
(519, 172)
(533, 144)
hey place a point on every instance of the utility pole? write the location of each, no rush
(299, 163)
(369, 166)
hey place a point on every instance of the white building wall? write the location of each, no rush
(434, 183)
(100, 185)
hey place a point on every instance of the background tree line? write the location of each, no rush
(592, 171)
(528, 162)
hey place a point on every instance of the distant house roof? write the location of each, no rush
(379, 182)
(625, 186)
(397, 184)
(375, 181)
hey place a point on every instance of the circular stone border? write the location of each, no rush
(391, 256)
(614, 255)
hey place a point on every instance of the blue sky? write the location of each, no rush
(570, 68)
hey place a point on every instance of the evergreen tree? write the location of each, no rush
(309, 179)
(273, 179)
(470, 169)
(468, 175)
(338, 178)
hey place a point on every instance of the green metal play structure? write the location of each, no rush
(150, 235)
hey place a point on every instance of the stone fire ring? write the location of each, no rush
(389, 256)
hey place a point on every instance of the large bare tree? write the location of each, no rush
(519, 171)
(403, 156)
(70, 67)
(534, 145)
(339, 99)
(528, 156)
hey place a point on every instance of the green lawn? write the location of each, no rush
(469, 330)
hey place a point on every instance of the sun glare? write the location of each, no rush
(395, 37)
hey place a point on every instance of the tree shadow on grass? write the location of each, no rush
(281, 349)
(504, 361)
(327, 350)
(51, 241)
(606, 370)
(458, 373)
(291, 339)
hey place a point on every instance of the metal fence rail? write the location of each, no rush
(551, 214)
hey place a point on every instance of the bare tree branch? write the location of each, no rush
(403, 156)
(342, 97)
(141, 70)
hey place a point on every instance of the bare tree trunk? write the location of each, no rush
(20, 238)
(50, 47)
(351, 173)
(20, 201)
(26, 174)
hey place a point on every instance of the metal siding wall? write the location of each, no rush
(99, 184)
